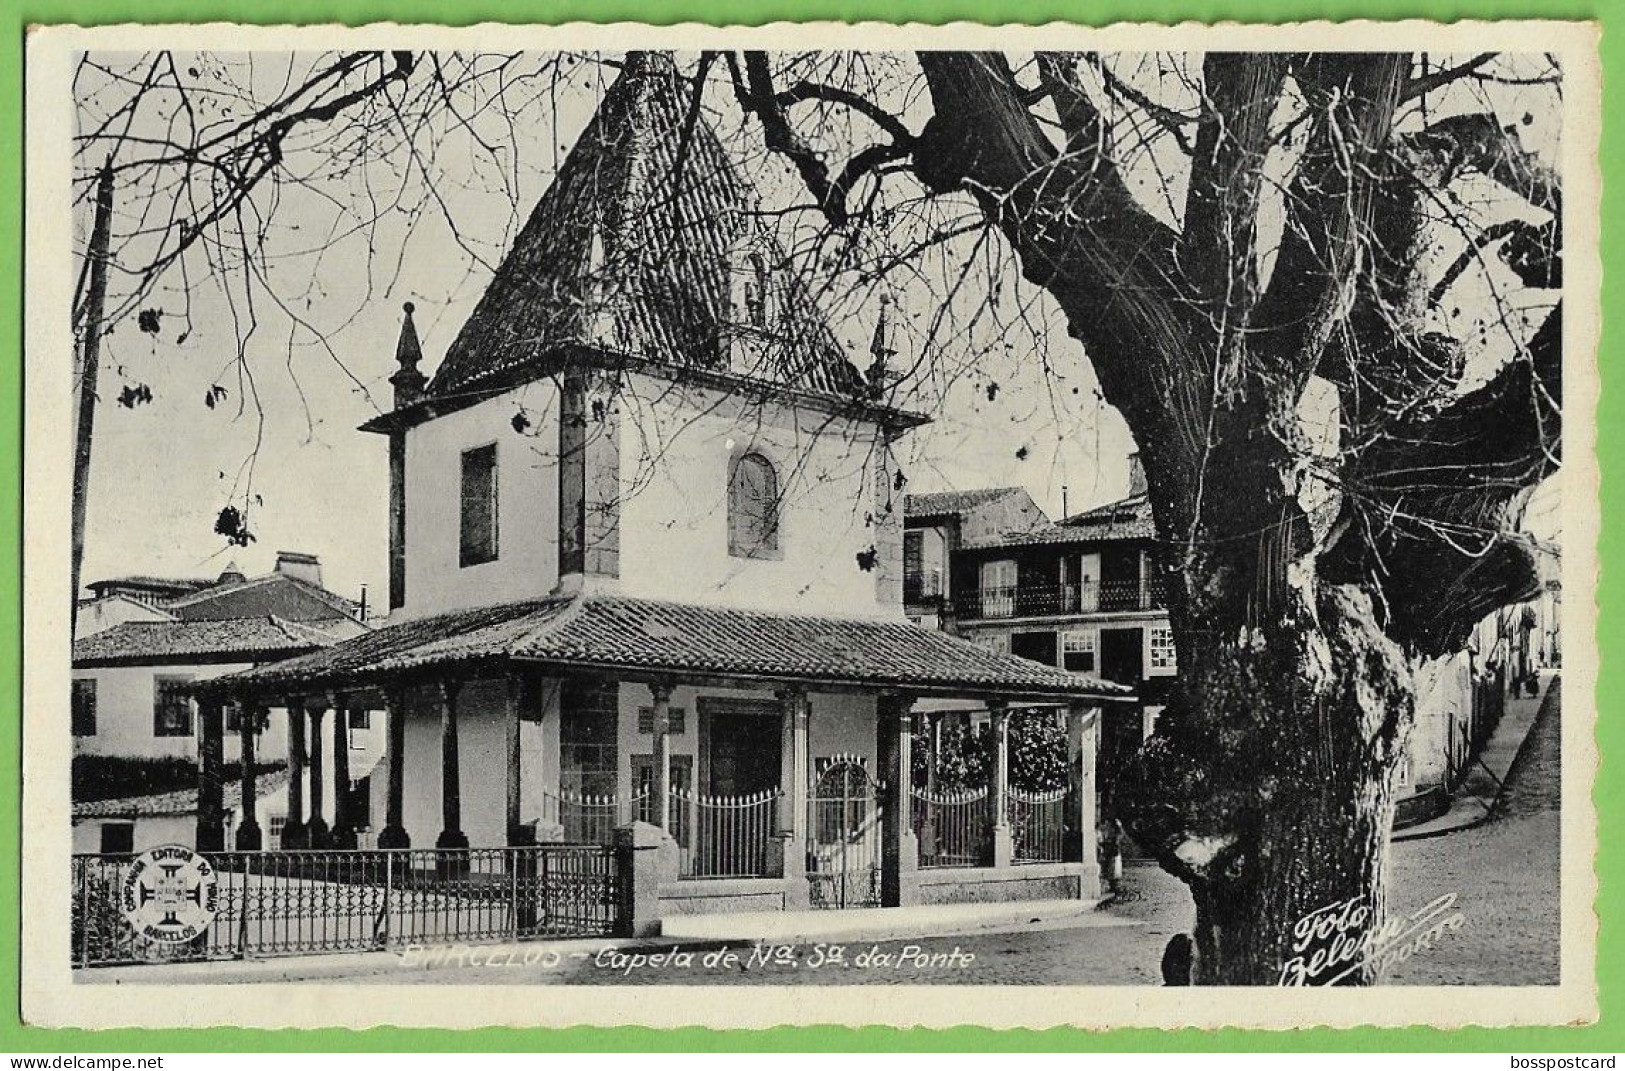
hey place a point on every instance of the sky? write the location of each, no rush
(1013, 399)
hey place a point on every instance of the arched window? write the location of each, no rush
(753, 508)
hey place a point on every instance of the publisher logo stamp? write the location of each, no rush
(170, 895)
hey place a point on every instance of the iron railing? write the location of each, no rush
(730, 834)
(589, 819)
(1037, 825)
(290, 903)
(1053, 600)
(953, 828)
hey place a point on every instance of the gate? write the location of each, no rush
(843, 849)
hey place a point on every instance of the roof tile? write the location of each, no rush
(617, 632)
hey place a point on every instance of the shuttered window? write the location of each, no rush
(753, 508)
(479, 506)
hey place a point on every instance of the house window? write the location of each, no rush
(171, 707)
(479, 507)
(753, 508)
(278, 822)
(676, 719)
(998, 588)
(1078, 651)
(84, 707)
(118, 838)
(1162, 649)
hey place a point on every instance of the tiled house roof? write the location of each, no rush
(1127, 519)
(179, 802)
(951, 503)
(278, 594)
(170, 642)
(632, 251)
(647, 637)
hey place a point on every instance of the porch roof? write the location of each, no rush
(636, 638)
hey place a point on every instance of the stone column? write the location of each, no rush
(794, 773)
(316, 828)
(293, 830)
(211, 832)
(451, 784)
(660, 728)
(518, 834)
(394, 835)
(899, 850)
(248, 833)
(342, 835)
(1003, 848)
(1083, 745)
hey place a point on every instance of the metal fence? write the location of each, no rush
(730, 834)
(1037, 825)
(953, 828)
(587, 818)
(304, 903)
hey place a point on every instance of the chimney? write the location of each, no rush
(1136, 475)
(306, 567)
(407, 380)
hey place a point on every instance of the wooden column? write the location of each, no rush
(211, 832)
(518, 834)
(342, 835)
(899, 849)
(248, 720)
(451, 785)
(999, 784)
(660, 718)
(293, 829)
(316, 828)
(394, 835)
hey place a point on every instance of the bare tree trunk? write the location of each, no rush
(90, 348)
(1269, 788)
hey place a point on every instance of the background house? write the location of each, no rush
(143, 644)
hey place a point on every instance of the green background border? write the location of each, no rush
(1610, 794)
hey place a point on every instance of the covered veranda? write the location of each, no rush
(767, 756)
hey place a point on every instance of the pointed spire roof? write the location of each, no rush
(631, 252)
(407, 380)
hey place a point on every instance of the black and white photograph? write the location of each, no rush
(849, 514)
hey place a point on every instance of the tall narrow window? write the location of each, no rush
(84, 707)
(753, 508)
(479, 514)
(756, 292)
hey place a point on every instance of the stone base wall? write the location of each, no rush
(721, 896)
(981, 885)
